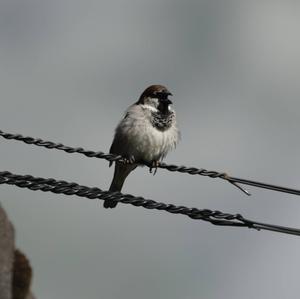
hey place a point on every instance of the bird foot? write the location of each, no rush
(154, 165)
(129, 160)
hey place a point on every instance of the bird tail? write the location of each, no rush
(120, 174)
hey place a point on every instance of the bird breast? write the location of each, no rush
(145, 141)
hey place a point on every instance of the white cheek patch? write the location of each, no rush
(149, 107)
(170, 108)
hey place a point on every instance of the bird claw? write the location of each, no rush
(129, 160)
(154, 165)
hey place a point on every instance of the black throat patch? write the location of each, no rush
(162, 121)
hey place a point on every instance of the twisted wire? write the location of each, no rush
(71, 188)
(169, 167)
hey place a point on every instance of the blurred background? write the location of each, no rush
(69, 69)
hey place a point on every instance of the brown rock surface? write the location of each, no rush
(7, 248)
(15, 269)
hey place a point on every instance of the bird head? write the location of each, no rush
(157, 97)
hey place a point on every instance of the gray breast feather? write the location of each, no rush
(144, 135)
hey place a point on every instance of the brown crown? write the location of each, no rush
(151, 91)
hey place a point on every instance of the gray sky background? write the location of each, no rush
(69, 69)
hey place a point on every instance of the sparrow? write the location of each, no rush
(147, 132)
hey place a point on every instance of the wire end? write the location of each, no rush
(240, 188)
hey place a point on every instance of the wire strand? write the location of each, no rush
(169, 167)
(70, 188)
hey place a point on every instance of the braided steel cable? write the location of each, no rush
(169, 167)
(70, 188)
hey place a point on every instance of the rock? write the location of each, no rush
(15, 269)
(7, 249)
(22, 274)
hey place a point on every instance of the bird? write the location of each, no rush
(146, 133)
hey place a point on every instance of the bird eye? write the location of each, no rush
(161, 95)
